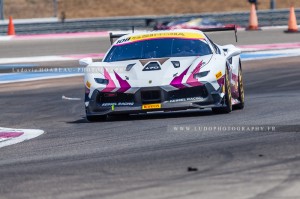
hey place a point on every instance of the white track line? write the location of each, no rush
(70, 98)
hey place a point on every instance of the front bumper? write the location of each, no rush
(187, 98)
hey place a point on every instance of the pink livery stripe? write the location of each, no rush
(191, 80)
(177, 81)
(124, 85)
(111, 85)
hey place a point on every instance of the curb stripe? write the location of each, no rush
(10, 136)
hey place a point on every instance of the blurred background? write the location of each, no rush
(21, 9)
(64, 16)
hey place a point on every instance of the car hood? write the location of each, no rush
(170, 73)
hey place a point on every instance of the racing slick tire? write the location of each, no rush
(227, 98)
(241, 90)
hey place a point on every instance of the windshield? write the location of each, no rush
(158, 48)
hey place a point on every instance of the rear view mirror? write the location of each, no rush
(85, 61)
(233, 52)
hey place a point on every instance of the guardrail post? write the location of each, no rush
(1, 10)
(273, 4)
(55, 8)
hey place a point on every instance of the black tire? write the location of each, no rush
(241, 91)
(227, 98)
(97, 118)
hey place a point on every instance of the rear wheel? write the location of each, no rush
(97, 118)
(227, 98)
(241, 91)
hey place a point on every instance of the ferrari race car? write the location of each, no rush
(163, 71)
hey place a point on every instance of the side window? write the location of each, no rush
(215, 47)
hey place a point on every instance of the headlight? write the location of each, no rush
(101, 81)
(129, 66)
(201, 74)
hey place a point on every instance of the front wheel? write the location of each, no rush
(227, 98)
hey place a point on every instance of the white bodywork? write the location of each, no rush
(168, 77)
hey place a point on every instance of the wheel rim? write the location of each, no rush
(241, 88)
(229, 104)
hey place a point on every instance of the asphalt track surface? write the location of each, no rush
(142, 157)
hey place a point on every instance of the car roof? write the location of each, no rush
(178, 33)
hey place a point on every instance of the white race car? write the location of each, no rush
(163, 71)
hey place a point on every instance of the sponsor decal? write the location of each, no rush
(141, 37)
(113, 104)
(124, 40)
(88, 84)
(187, 99)
(219, 75)
(152, 66)
(151, 106)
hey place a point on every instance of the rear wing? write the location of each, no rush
(114, 36)
(117, 36)
(229, 28)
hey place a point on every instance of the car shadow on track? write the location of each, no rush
(151, 116)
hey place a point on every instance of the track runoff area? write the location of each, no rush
(151, 153)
